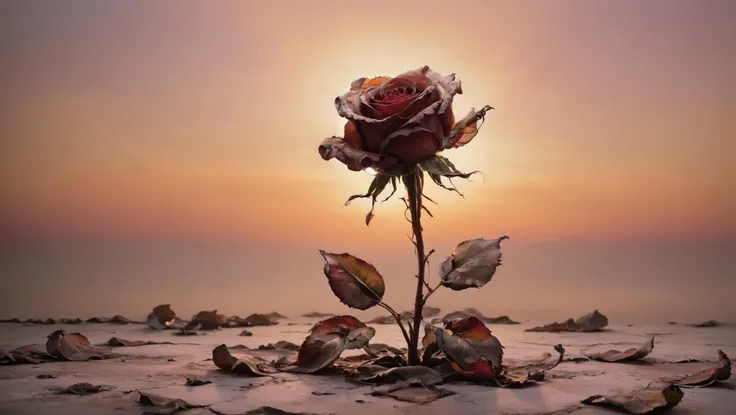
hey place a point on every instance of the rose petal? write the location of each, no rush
(352, 137)
(355, 159)
(466, 129)
(415, 143)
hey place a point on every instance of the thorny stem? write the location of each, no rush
(414, 182)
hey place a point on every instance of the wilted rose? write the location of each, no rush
(402, 120)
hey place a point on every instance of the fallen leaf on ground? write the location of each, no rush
(719, 372)
(31, 354)
(615, 356)
(415, 393)
(279, 345)
(471, 264)
(469, 342)
(709, 323)
(162, 405)
(534, 369)
(206, 320)
(594, 321)
(46, 376)
(421, 374)
(245, 333)
(196, 382)
(326, 342)
(185, 332)
(73, 346)
(318, 393)
(84, 388)
(640, 402)
(118, 342)
(244, 365)
(355, 282)
(161, 317)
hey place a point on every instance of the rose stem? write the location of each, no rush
(413, 182)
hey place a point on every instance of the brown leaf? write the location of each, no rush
(74, 347)
(719, 372)
(31, 354)
(244, 365)
(161, 317)
(196, 382)
(355, 282)
(206, 320)
(84, 388)
(590, 322)
(472, 263)
(162, 405)
(471, 342)
(326, 342)
(535, 369)
(118, 342)
(420, 374)
(640, 402)
(635, 353)
(415, 393)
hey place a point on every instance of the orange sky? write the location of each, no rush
(613, 121)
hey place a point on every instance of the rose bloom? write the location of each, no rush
(399, 121)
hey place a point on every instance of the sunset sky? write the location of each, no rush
(166, 152)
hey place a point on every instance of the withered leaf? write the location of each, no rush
(161, 317)
(438, 167)
(279, 345)
(535, 369)
(420, 374)
(719, 372)
(355, 282)
(635, 353)
(413, 392)
(326, 342)
(640, 402)
(594, 321)
(196, 382)
(73, 346)
(472, 263)
(30, 354)
(244, 365)
(118, 342)
(469, 342)
(84, 388)
(162, 405)
(206, 320)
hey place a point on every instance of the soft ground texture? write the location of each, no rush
(163, 370)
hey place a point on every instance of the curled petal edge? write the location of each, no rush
(355, 159)
(466, 129)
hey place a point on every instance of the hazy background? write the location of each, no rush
(166, 152)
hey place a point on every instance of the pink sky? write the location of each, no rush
(147, 121)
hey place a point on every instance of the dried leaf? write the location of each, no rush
(438, 167)
(590, 322)
(279, 345)
(244, 365)
(535, 369)
(74, 347)
(415, 393)
(162, 405)
(31, 354)
(640, 402)
(118, 342)
(469, 345)
(628, 355)
(84, 388)
(420, 374)
(719, 372)
(355, 282)
(326, 342)
(196, 382)
(376, 187)
(161, 317)
(206, 320)
(472, 263)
